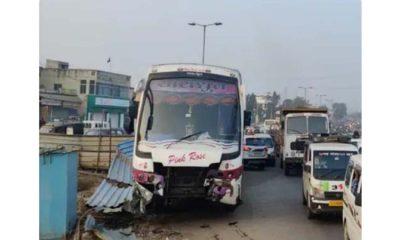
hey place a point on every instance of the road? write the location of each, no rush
(271, 209)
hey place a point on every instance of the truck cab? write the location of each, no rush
(324, 167)
(298, 123)
(352, 199)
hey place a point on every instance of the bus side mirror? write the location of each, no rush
(357, 201)
(133, 110)
(150, 123)
(247, 118)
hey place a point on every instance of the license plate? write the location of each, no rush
(338, 203)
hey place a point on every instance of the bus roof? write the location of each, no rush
(195, 67)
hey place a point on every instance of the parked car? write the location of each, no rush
(259, 150)
(61, 127)
(105, 132)
(352, 199)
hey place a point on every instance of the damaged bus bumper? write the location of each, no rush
(192, 182)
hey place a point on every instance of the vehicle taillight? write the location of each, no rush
(246, 148)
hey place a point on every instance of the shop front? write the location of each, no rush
(56, 106)
(113, 110)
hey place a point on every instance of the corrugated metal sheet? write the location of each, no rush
(118, 187)
(126, 148)
(121, 170)
(109, 195)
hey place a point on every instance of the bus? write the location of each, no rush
(189, 133)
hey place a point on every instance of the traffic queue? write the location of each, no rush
(330, 169)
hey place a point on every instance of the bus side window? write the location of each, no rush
(348, 174)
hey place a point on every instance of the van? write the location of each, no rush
(324, 169)
(352, 199)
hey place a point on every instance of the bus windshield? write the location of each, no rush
(183, 107)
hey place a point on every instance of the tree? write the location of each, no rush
(287, 103)
(251, 105)
(251, 102)
(272, 105)
(294, 103)
(299, 102)
(339, 110)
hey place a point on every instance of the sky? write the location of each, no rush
(277, 45)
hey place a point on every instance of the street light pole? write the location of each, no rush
(305, 92)
(204, 34)
(320, 98)
(204, 43)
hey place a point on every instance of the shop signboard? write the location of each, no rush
(111, 102)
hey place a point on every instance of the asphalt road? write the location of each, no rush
(271, 209)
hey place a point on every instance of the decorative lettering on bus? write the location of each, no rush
(193, 156)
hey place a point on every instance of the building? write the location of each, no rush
(104, 95)
(59, 105)
(262, 102)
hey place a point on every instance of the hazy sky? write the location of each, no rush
(275, 44)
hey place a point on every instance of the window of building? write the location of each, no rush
(116, 91)
(93, 72)
(92, 87)
(83, 87)
(57, 86)
(64, 66)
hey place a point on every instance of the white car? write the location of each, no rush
(352, 200)
(259, 150)
(324, 168)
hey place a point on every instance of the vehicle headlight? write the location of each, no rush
(318, 193)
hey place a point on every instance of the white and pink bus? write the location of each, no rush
(189, 133)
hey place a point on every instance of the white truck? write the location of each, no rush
(352, 194)
(189, 138)
(296, 123)
(324, 166)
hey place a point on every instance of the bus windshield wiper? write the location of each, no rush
(186, 137)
